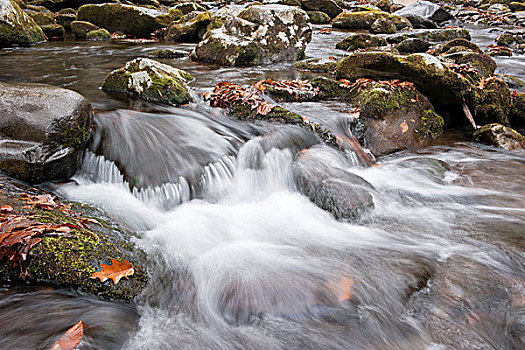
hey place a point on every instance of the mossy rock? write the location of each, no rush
(517, 6)
(492, 103)
(42, 18)
(191, 28)
(413, 45)
(150, 80)
(517, 114)
(81, 28)
(16, 27)
(322, 65)
(54, 31)
(330, 7)
(483, 63)
(318, 17)
(168, 53)
(329, 88)
(365, 19)
(499, 136)
(65, 20)
(187, 7)
(360, 41)
(383, 26)
(99, 34)
(463, 44)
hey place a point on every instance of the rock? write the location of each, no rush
(500, 136)
(69, 261)
(318, 17)
(383, 26)
(189, 29)
(394, 118)
(492, 102)
(360, 41)
(65, 19)
(461, 43)
(420, 22)
(16, 27)
(81, 28)
(168, 53)
(440, 84)
(517, 113)
(505, 39)
(483, 63)
(261, 34)
(513, 82)
(330, 7)
(56, 5)
(67, 11)
(42, 18)
(43, 129)
(99, 34)
(187, 7)
(413, 45)
(228, 12)
(131, 20)
(517, 6)
(365, 19)
(438, 35)
(426, 10)
(150, 80)
(316, 65)
(331, 188)
(53, 31)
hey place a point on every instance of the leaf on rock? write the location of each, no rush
(6, 209)
(404, 126)
(115, 271)
(71, 338)
(264, 108)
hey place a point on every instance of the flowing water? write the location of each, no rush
(241, 260)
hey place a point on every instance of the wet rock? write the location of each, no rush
(81, 28)
(150, 80)
(99, 34)
(260, 34)
(16, 27)
(383, 26)
(56, 5)
(517, 6)
(43, 131)
(426, 10)
(438, 35)
(189, 29)
(131, 20)
(168, 53)
(436, 81)
(318, 17)
(458, 44)
(413, 45)
(53, 31)
(419, 22)
(316, 65)
(492, 102)
(187, 7)
(365, 19)
(42, 18)
(68, 262)
(65, 20)
(500, 136)
(517, 114)
(330, 7)
(483, 63)
(513, 82)
(333, 189)
(360, 41)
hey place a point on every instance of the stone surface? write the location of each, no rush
(81, 28)
(43, 131)
(500, 136)
(426, 10)
(413, 45)
(330, 7)
(53, 31)
(360, 41)
(16, 27)
(191, 28)
(365, 19)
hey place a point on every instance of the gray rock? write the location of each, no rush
(500, 136)
(413, 45)
(16, 27)
(43, 131)
(330, 7)
(426, 10)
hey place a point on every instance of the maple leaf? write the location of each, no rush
(404, 126)
(115, 271)
(71, 338)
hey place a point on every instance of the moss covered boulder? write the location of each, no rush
(517, 113)
(81, 28)
(150, 80)
(440, 84)
(168, 53)
(480, 61)
(365, 19)
(99, 34)
(329, 7)
(458, 44)
(54, 31)
(131, 20)
(43, 131)
(65, 19)
(260, 34)
(318, 17)
(190, 29)
(360, 41)
(500, 136)
(413, 45)
(316, 65)
(438, 35)
(42, 18)
(16, 27)
(492, 102)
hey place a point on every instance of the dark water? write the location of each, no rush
(243, 261)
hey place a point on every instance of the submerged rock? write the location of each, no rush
(43, 131)
(16, 27)
(150, 80)
(260, 34)
(168, 53)
(413, 45)
(438, 35)
(500, 136)
(365, 19)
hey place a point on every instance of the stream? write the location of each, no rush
(241, 260)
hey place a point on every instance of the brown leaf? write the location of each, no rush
(6, 209)
(404, 126)
(115, 271)
(71, 338)
(264, 108)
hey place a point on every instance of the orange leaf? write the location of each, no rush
(115, 271)
(6, 209)
(71, 338)
(404, 126)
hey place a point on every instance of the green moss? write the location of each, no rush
(431, 124)
(99, 34)
(76, 136)
(329, 88)
(42, 18)
(318, 17)
(252, 54)
(116, 81)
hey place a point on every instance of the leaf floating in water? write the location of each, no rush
(115, 271)
(404, 126)
(326, 31)
(71, 338)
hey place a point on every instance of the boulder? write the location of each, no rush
(188, 7)
(419, 22)
(460, 44)
(517, 6)
(42, 18)
(426, 10)
(323, 65)
(413, 45)
(150, 80)
(56, 5)
(168, 53)
(318, 17)
(483, 63)
(383, 26)
(331, 188)
(492, 102)
(81, 28)
(53, 31)
(440, 84)
(16, 27)
(517, 113)
(129, 19)
(260, 34)
(438, 35)
(360, 41)
(189, 29)
(500, 136)
(330, 7)
(365, 19)
(43, 131)
(98, 34)
(65, 19)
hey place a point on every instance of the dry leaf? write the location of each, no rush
(404, 126)
(6, 209)
(71, 338)
(115, 271)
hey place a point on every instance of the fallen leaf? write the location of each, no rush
(71, 338)
(325, 31)
(6, 209)
(115, 271)
(404, 126)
